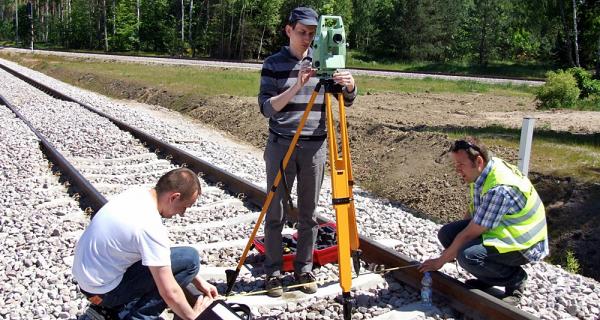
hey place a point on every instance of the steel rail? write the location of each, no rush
(92, 196)
(473, 303)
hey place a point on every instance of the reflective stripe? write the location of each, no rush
(527, 236)
(509, 222)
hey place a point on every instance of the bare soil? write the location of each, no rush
(399, 153)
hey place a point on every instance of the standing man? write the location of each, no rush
(124, 263)
(286, 84)
(504, 228)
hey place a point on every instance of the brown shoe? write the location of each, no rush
(309, 280)
(274, 288)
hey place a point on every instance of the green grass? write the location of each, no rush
(380, 84)
(590, 103)
(216, 81)
(564, 155)
(179, 79)
(534, 71)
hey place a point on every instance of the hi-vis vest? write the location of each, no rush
(522, 229)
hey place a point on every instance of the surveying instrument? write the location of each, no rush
(329, 54)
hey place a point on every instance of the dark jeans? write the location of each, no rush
(137, 292)
(485, 263)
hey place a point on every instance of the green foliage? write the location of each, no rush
(572, 265)
(126, 37)
(585, 83)
(430, 32)
(6, 30)
(591, 103)
(559, 91)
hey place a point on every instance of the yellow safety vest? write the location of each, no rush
(522, 229)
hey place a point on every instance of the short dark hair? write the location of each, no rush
(473, 147)
(182, 180)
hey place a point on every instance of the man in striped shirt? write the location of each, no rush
(504, 229)
(286, 84)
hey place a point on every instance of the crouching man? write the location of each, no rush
(124, 263)
(505, 227)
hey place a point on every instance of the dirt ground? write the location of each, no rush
(398, 153)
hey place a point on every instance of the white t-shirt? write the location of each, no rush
(126, 230)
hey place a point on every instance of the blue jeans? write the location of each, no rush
(485, 263)
(137, 293)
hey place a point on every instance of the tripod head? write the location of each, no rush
(329, 46)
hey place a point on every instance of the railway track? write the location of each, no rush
(220, 222)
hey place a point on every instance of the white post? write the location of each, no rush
(525, 145)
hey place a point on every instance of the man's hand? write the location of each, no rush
(432, 265)
(202, 303)
(345, 79)
(208, 289)
(304, 74)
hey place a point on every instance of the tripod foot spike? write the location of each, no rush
(356, 254)
(231, 276)
(347, 303)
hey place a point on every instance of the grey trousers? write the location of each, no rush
(307, 164)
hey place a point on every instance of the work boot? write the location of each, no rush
(309, 280)
(274, 288)
(478, 284)
(513, 294)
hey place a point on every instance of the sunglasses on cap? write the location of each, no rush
(464, 145)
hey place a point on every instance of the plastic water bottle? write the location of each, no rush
(426, 290)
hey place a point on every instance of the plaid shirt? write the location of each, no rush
(497, 202)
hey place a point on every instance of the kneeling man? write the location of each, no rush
(505, 227)
(124, 263)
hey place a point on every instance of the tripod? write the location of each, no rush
(341, 188)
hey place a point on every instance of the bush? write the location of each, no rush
(592, 102)
(585, 83)
(560, 90)
(572, 264)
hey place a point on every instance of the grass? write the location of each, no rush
(179, 79)
(379, 84)
(590, 103)
(216, 81)
(577, 156)
(527, 70)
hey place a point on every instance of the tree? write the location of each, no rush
(575, 42)
(268, 17)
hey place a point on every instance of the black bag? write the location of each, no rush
(221, 310)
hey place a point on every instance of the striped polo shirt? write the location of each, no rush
(279, 72)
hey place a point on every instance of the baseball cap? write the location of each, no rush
(304, 15)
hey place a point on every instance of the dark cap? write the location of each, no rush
(304, 15)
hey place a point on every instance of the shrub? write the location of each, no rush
(592, 102)
(585, 83)
(560, 90)
(572, 264)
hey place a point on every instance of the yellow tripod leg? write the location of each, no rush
(352, 227)
(341, 192)
(232, 275)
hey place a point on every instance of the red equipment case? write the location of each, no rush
(322, 254)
